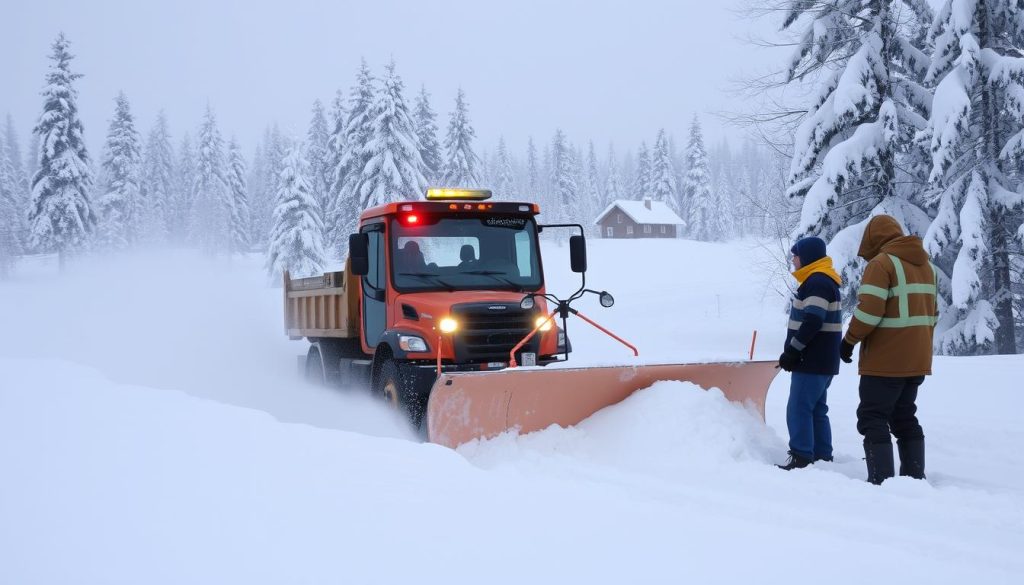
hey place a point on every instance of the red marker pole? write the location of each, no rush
(753, 341)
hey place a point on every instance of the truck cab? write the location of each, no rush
(434, 286)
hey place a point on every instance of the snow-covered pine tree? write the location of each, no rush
(594, 194)
(264, 193)
(32, 160)
(461, 166)
(642, 178)
(663, 176)
(211, 209)
(120, 206)
(184, 183)
(296, 239)
(977, 143)
(336, 148)
(60, 212)
(564, 176)
(359, 128)
(240, 222)
(868, 103)
(485, 169)
(532, 171)
(158, 183)
(547, 194)
(10, 212)
(319, 156)
(613, 190)
(394, 169)
(20, 175)
(702, 220)
(14, 154)
(426, 132)
(724, 218)
(19, 181)
(505, 185)
(746, 218)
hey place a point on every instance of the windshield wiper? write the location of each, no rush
(496, 275)
(430, 276)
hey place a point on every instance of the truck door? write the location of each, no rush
(375, 287)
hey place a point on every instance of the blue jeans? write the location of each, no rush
(810, 433)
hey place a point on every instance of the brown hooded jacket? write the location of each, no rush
(896, 303)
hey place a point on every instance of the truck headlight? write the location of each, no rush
(411, 343)
(448, 325)
(544, 323)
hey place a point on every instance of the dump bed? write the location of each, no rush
(322, 306)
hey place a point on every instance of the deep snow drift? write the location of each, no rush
(127, 459)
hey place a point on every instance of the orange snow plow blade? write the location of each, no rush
(477, 405)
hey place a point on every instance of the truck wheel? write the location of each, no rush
(315, 366)
(322, 363)
(389, 384)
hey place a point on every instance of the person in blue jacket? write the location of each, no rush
(811, 353)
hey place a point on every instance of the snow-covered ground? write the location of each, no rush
(153, 429)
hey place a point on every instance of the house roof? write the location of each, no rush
(658, 214)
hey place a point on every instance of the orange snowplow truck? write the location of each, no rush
(441, 302)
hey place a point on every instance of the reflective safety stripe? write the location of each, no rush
(895, 323)
(866, 318)
(902, 292)
(901, 283)
(796, 343)
(875, 291)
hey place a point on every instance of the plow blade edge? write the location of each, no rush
(477, 405)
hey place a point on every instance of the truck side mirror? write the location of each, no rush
(359, 254)
(578, 253)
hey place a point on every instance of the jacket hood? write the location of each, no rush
(884, 235)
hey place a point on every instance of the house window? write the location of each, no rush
(629, 230)
(647, 229)
(662, 229)
(609, 232)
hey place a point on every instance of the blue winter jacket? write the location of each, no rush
(816, 325)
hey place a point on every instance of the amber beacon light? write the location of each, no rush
(448, 194)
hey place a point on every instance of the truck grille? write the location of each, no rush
(487, 332)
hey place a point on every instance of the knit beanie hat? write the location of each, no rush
(809, 250)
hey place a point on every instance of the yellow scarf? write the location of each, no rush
(823, 266)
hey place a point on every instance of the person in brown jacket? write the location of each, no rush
(894, 321)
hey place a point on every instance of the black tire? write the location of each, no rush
(315, 366)
(400, 389)
(389, 385)
(323, 361)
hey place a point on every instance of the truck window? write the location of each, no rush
(375, 275)
(524, 254)
(466, 253)
(441, 251)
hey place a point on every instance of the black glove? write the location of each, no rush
(846, 351)
(790, 359)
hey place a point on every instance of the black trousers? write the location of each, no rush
(887, 405)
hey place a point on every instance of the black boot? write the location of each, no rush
(879, 459)
(911, 457)
(795, 462)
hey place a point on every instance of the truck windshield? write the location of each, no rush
(466, 253)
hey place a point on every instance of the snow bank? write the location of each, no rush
(670, 429)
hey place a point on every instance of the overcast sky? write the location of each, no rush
(603, 70)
